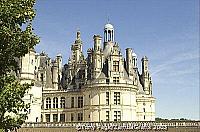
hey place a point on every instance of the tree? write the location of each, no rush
(16, 38)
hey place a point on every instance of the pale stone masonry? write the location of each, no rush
(104, 86)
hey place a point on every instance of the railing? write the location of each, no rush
(170, 124)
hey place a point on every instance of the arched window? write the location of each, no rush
(55, 102)
(48, 103)
(62, 102)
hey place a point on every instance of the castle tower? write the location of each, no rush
(134, 60)
(55, 74)
(145, 76)
(129, 61)
(77, 47)
(28, 67)
(97, 56)
(59, 62)
(97, 42)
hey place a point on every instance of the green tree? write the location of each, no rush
(16, 38)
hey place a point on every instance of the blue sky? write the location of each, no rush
(166, 31)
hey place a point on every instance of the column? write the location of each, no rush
(51, 102)
(107, 35)
(44, 103)
(59, 102)
(58, 117)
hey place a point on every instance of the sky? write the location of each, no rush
(166, 31)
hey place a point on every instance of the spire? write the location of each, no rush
(108, 19)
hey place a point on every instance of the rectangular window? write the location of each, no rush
(55, 117)
(117, 115)
(62, 117)
(55, 102)
(116, 98)
(80, 116)
(107, 81)
(47, 117)
(81, 74)
(48, 103)
(115, 66)
(72, 102)
(62, 102)
(107, 98)
(80, 102)
(115, 79)
(107, 115)
(72, 117)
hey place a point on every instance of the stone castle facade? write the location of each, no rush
(104, 86)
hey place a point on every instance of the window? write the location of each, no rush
(47, 117)
(117, 115)
(72, 117)
(144, 117)
(48, 103)
(107, 81)
(144, 109)
(116, 98)
(41, 118)
(107, 115)
(107, 98)
(55, 102)
(42, 77)
(81, 74)
(80, 102)
(80, 116)
(116, 66)
(62, 117)
(72, 102)
(115, 79)
(62, 102)
(55, 117)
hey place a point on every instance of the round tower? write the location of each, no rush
(28, 67)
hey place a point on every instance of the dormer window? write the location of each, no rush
(115, 66)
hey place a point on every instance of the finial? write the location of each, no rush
(78, 34)
(108, 19)
(78, 29)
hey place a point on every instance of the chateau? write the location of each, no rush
(103, 86)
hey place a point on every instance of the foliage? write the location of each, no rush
(16, 38)
(181, 119)
(14, 41)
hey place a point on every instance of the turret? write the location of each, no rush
(108, 34)
(77, 48)
(55, 75)
(28, 67)
(134, 60)
(97, 42)
(145, 76)
(129, 61)
(59, 62)
(89, 63)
